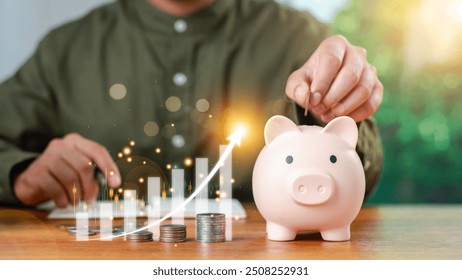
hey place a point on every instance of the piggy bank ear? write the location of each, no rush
(345, 128)
(278, 125)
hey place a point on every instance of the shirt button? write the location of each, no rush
(180, 79)
(180, 26)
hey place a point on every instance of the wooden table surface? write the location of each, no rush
(387, 232)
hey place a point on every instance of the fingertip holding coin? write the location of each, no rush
(307, 103)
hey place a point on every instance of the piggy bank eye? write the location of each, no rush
(333, 159)
(289, 159)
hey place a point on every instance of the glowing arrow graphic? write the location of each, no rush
(235, 139)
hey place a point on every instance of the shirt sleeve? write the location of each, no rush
(27, 114)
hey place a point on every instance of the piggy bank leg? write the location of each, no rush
(279, 233)
(336, 234)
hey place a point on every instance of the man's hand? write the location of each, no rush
(66, 163)
(340, 80)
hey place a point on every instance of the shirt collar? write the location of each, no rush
(202, 21)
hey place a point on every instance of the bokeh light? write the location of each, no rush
(188, 162)
(151, 129)
(126, 151)
(178, 141)
(117, 91)
(173, 103)
(202, 105)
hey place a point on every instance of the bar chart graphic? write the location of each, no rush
(178, 205)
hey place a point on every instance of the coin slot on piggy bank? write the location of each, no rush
(313, 175)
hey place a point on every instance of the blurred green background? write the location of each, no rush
(416, 46)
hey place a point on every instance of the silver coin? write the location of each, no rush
(140, 240)
(66, 226)
(172, 226)
(81, 232)
(210, 215)
(139, 236)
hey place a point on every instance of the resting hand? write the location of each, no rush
(65, 163)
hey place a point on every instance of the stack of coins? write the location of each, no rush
(139, 236)
(172, 233)
(210, 227)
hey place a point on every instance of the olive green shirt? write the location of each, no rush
(173, 85)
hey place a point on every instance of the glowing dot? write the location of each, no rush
(172, 125)
(180, 79)
(217, 192)
(132, 143)
(127, 151)
(151, 129)
(178, 141)
(90, 163)
(173, 104)
(236, 218)
(111, 173)
(84, 206)
(168, 166)
(201, 175)
(144, 162)
(202, 105)
(223, 195)
(141, 180)
(117, 91)
(157, 150)
(111, 193)
(217, 199)
(175, 245)
(210, 116)
(120, 190)
(188, 162)
(120, 155)
(172, 190)
(129, 159)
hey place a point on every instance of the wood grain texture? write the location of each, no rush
(387, 232)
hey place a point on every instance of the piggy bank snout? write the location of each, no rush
(311, 188)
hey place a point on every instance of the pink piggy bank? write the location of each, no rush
(309, 178)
